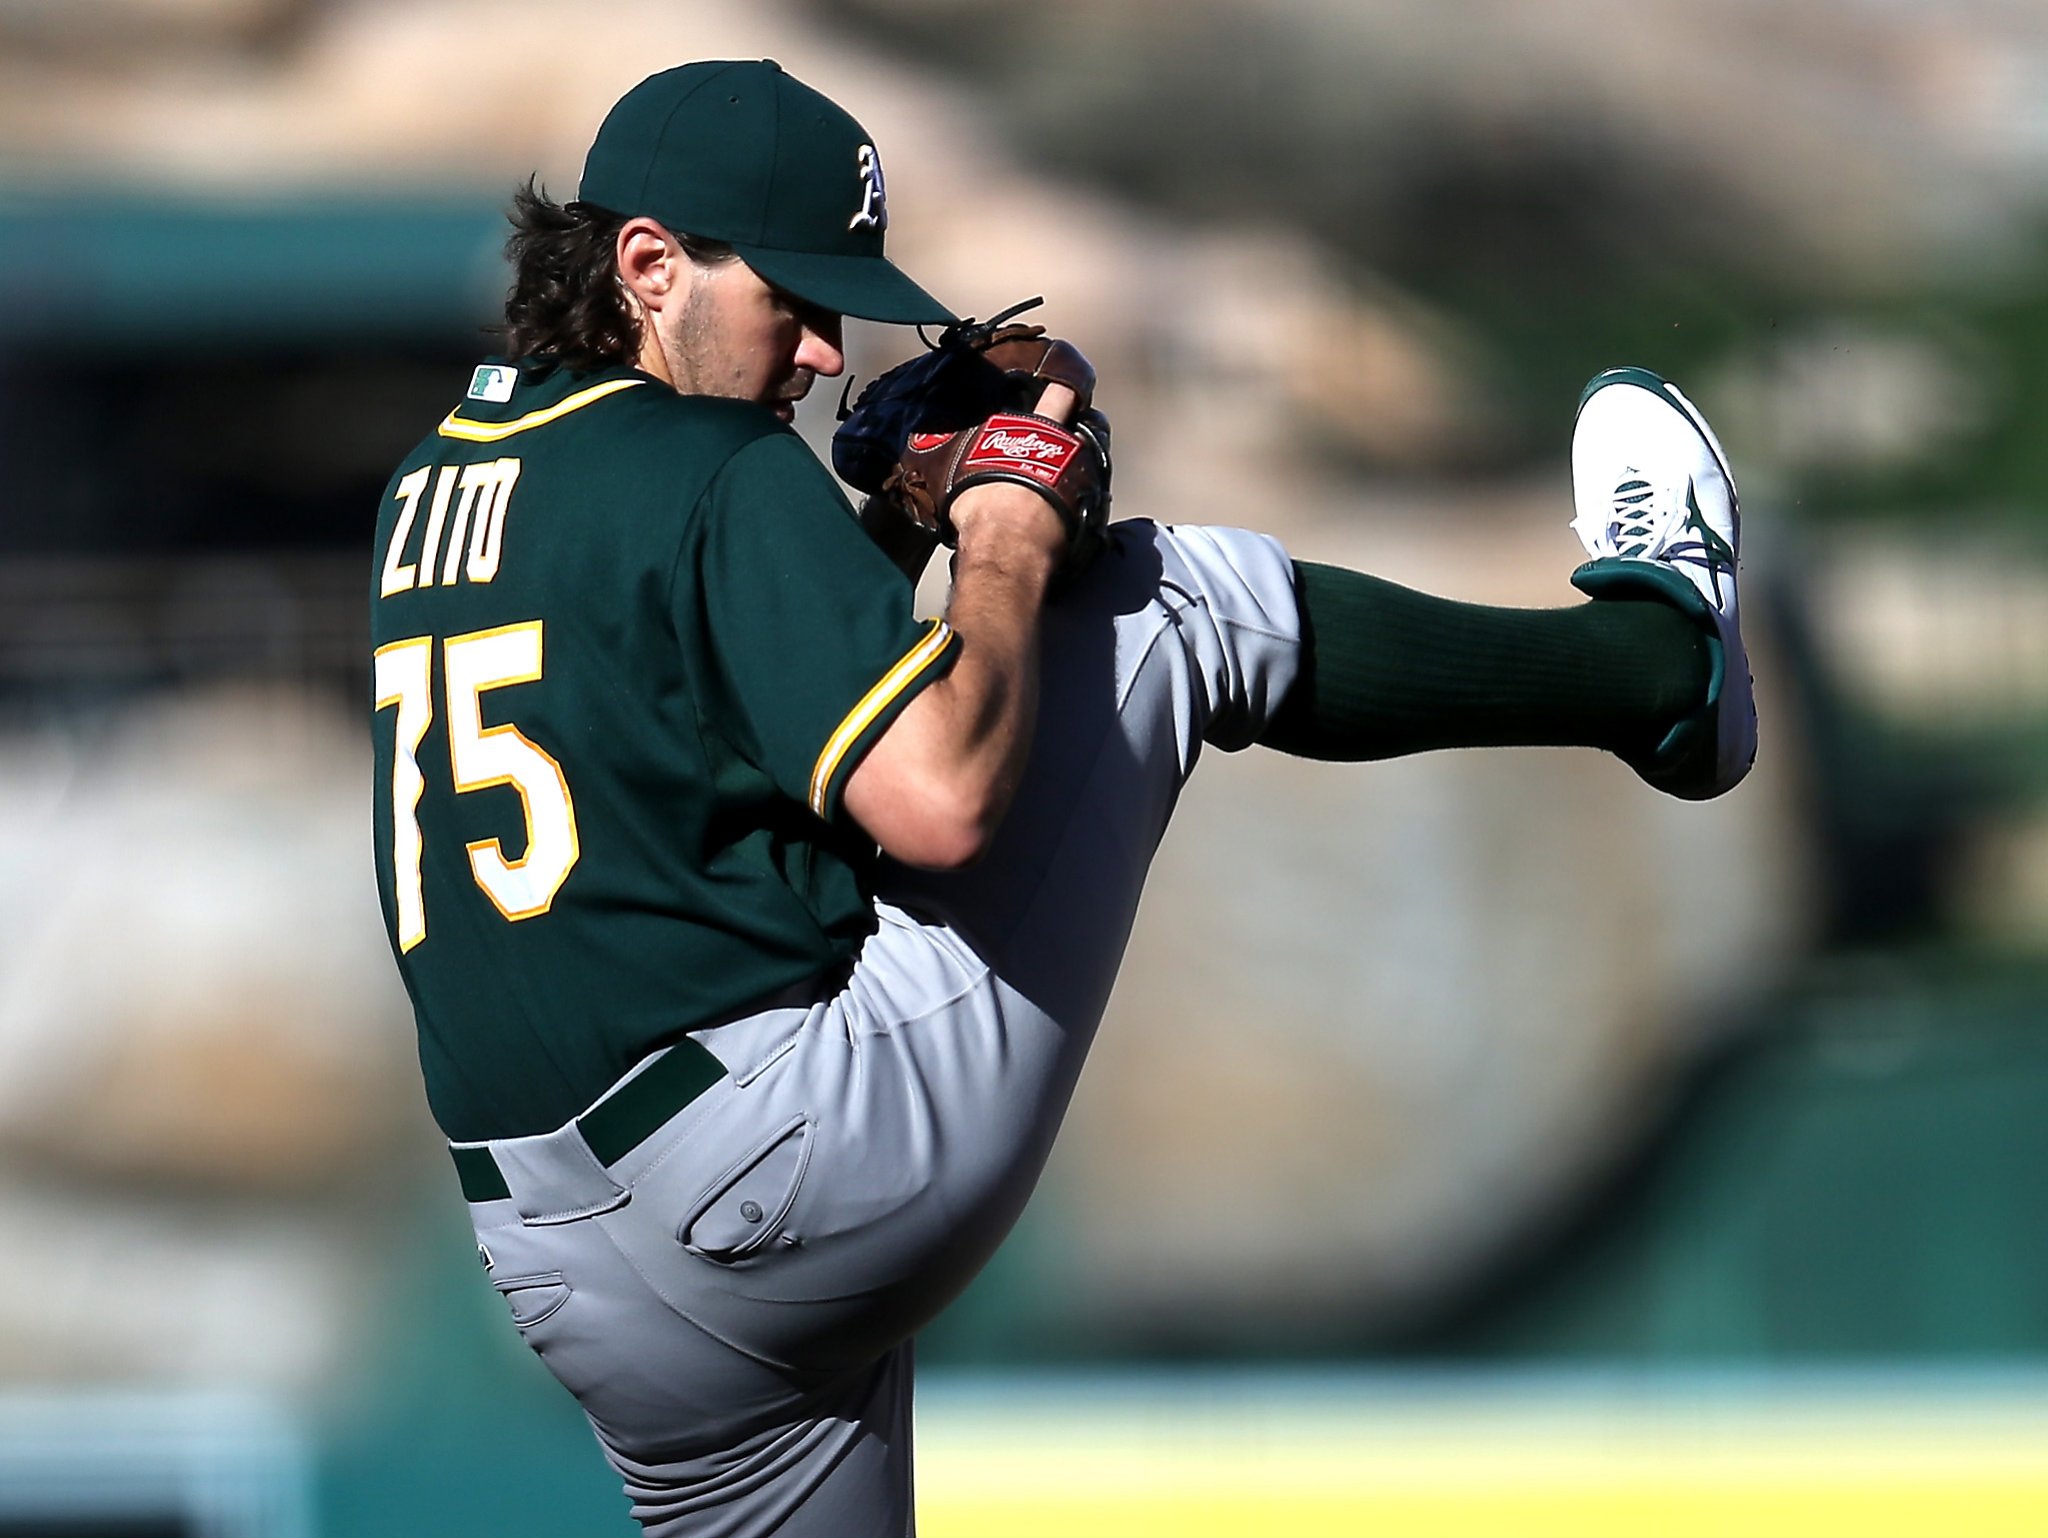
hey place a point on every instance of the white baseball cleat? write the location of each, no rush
(1657, 510)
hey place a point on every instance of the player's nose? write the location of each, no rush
(822, 349)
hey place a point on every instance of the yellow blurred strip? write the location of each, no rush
(1987, 1510)
(1488, 1465)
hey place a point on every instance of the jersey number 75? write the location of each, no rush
(479, 756)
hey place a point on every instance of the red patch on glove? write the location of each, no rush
(1018, 445)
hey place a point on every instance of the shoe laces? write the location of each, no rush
(1641, 526)
(1635, 524)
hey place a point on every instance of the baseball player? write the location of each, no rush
(756, 929)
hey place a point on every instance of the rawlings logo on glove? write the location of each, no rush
(1021, 445)
(961, 415)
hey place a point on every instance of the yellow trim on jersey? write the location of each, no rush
(872, 704)
(453, 426)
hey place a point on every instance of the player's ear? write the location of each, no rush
(649, 261)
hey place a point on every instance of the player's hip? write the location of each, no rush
(824, 1195)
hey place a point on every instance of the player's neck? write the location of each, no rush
(650, 359)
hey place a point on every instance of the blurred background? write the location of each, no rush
(1475, 1142)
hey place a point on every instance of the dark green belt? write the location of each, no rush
(613, 1128)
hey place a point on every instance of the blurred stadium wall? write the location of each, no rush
(1459, 1069)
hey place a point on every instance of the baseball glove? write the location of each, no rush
(960, 415)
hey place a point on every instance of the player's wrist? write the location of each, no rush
(1010, 523)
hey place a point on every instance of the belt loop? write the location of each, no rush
(555, 1178)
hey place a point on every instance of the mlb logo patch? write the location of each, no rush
(493, 382)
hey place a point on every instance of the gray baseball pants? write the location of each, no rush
(733, 1302)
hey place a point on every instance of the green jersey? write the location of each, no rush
(629, 646)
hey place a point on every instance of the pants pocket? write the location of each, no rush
(532, 1298)
(747, 1208)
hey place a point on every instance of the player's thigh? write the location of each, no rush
(1173, 640)
(648, 1374)
(840, 1469)
(709, 1440)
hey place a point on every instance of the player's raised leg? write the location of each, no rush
(1654, 671)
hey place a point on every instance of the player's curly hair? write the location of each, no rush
(566, 302)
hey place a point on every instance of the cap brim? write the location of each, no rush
(865, 287)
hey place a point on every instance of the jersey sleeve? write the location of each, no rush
(806, 623)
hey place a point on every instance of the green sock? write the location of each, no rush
(1387, 671)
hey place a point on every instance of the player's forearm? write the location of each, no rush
(934, 789)
(992, 694)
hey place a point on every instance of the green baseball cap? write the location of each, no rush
(735, 150)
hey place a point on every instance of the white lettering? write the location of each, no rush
(398, 578)
(477, 531)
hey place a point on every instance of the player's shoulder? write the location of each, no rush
(622, 431)
(734, 450)
(508, 399)
(711, 422)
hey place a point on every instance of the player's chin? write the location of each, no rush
(785, 410)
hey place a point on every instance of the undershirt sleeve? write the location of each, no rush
(805, 624)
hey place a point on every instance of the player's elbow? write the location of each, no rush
(945, 827)
(925, 805)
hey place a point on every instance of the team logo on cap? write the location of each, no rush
(874, 202)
